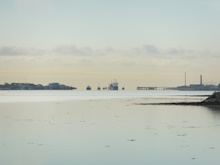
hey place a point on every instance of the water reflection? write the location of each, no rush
(215, 109)
(214, 113)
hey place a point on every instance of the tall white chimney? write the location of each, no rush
(200, 79)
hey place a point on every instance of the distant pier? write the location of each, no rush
(156, 88)
(192, 87)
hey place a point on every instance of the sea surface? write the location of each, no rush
(107, 127)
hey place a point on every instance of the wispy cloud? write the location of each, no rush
(150, 49)
(19, 51)
(12, 51)
(73, 50)
(140, 52)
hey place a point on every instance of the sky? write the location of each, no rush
(94, 42)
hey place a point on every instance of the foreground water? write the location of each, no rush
(106, 127)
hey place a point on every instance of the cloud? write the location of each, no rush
(18, 51)
(12, 51)
(151, 49)
(149, 52)
(145, 50)
(85, 62)
(179, 51)
(73, 50)
(128, 63)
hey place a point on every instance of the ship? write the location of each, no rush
(98, 88)
(113, 86)
(88, 88)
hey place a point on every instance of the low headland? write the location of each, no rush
(213, 100)
(31, 86)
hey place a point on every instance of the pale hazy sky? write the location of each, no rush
(86, 42)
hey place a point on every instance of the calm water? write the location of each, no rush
(106, 127)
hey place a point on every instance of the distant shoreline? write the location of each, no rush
(31, 86)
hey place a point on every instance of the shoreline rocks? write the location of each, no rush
(213, 100)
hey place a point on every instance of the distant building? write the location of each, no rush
(29, 86)
(54, 86)
(201, 87)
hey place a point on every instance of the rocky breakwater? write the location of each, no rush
(213, 100)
